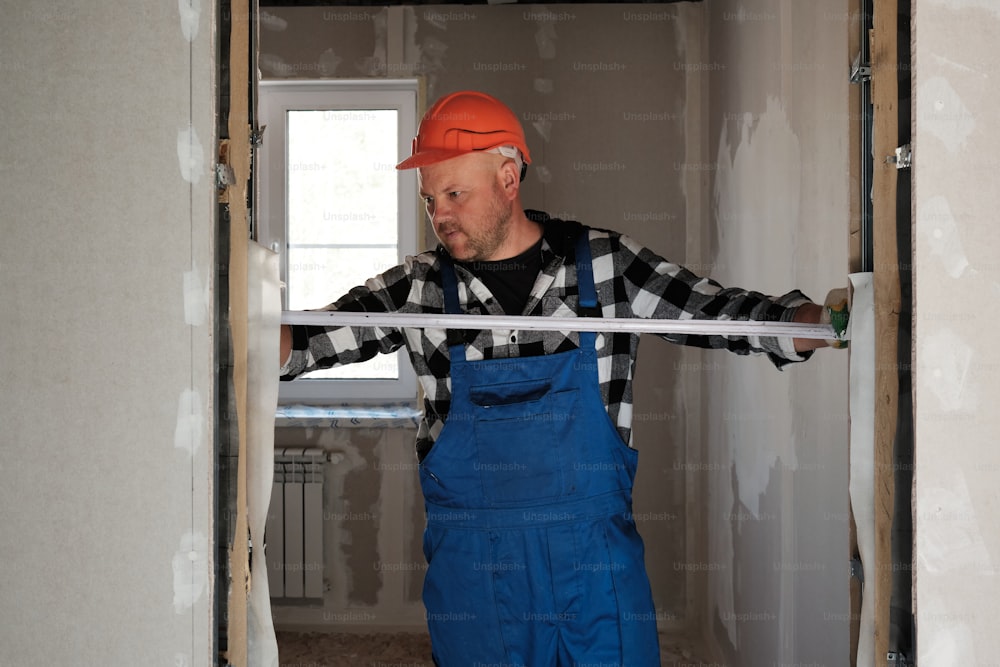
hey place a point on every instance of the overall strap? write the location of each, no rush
(449, 283)
(588, 306)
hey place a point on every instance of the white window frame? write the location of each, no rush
(276, 98)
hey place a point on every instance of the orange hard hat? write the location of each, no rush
(464, 122)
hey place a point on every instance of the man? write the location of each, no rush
(525, 449)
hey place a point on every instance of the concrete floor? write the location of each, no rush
(413, 650)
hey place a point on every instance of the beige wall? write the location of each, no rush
(956, 363)
(775, 457)
(106, 335)
(601, 91)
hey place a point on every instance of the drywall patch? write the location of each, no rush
(271, 22)
(377, 63)
(544, 86)
(411, 50)
(945, 363)
(545, 39)
(195, 298)
(544, 128)
(190, 565)
(190, 422)
(328, 63)
(274, 65)
(942, 113)
(432, 55)
(949, 536)
(752, 223)
(753, 422)
(937, 226)
(190, 11)
(190, 155)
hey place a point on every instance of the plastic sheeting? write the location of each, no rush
(264, 318)
(862, 486)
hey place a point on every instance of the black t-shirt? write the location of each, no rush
(510, 280)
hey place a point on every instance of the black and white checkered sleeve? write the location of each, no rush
(657, 288)
(315, 347)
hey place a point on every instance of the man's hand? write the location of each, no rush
(834, 312)
(809, 313)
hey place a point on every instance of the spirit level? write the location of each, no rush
(329, 318)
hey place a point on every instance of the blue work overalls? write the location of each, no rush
(533, 556)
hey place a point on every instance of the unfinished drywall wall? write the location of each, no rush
(775, 460)
(602, 93)
(105, 340)
(956, 364)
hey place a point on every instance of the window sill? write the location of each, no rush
(392, 415)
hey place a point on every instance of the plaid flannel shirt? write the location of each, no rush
(631, 281)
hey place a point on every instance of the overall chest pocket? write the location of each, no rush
(525, 443)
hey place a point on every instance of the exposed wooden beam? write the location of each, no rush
(239, 160)
(885, 95)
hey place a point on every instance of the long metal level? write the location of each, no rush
(523, 322)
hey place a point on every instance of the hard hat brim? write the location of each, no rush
(431, 156)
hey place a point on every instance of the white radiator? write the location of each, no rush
(294, 533)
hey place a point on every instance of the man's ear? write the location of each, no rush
(510, 178)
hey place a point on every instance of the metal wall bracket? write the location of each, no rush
(897, 659)
(257, 136)
(903, 157)
(857, 570)
(224, 176)
(860, 72)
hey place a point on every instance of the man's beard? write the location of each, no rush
(484, 243)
